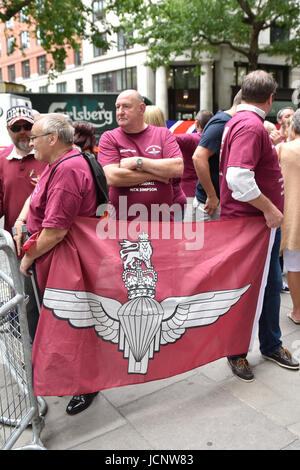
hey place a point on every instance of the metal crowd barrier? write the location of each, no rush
(19, 408)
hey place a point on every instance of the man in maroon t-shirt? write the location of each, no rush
(188, 143)
(139, 161)
(251, 185)
(19, 173)
(58, 198)
(19, 170)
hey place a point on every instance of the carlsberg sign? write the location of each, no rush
(96, 108)
(99, 117)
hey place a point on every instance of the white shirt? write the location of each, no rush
(241, 181)
(13, 154)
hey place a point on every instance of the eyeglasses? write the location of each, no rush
(32, 137)
(17, 127)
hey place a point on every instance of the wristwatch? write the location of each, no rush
(139, 163)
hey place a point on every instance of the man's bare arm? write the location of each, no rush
(21, 220)
(124, 177)
(241, 181)
(48, 239)
(201, 163)
(272, 215)
(161, 167)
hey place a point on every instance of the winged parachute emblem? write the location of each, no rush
(141, 325)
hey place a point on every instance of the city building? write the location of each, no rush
(176, 89)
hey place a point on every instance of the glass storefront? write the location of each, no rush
(183, 92)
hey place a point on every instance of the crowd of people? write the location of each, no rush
(231, 167)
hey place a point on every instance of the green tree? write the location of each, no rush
(58, 24)
(174, 27)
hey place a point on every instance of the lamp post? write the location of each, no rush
(125, 57)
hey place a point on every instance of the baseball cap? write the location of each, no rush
(16, 113)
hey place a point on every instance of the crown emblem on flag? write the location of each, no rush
(139, 275)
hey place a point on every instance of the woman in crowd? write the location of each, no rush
(289, 155)
(84, 136)
(155, 117)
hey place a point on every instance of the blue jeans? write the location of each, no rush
(269, 333)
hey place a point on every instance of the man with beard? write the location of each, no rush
(19, 170)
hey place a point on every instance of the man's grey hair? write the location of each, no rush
(280, 112)
(295, 122)
(237, 98)
(55, 122)
(136, 94)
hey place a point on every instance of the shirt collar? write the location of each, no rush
(14, 155)
(250, 107)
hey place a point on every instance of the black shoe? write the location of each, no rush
(283, 358)
(240, 367)
(80, 402)
(285, 287)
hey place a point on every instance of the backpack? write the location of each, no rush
(98, 175)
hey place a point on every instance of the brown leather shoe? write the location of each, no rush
(283, 358)
(241, 369)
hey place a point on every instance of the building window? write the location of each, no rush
(38, 36)
(10, 45)
(124, 42)
(102, 82)
(23, 17)
(42, 65)
(126, 78)
(98, 9)
(11, 73)
(240, 72)
(98, 51)
(25, 40)
(115, 81)
(1, 75)
(61, 87)
(26, 69)
(278, 33)
(279, 72)
(77, 58)
(79, 85)
(183, 77)
(43, 89)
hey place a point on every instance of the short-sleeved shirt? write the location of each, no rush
(246, 144)
(70, 192)
(18, 177)
(153, 142)
(188, 144)
(211, 138)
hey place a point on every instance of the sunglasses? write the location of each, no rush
(18, 127)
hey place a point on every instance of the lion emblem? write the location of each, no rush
(133, 251)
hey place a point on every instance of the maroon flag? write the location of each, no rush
(137, 304)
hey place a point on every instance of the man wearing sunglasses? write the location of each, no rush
(19, 172)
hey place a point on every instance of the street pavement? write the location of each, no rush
(203, 409)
